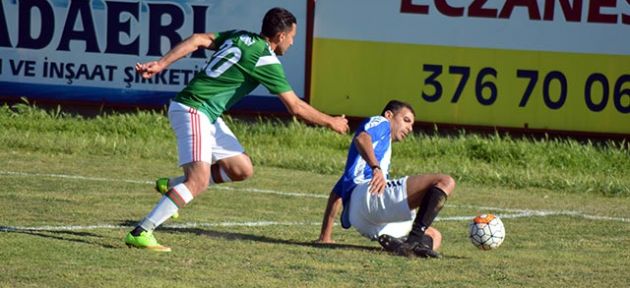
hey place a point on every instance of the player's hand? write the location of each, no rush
(324, 241)
(149, 69)
(377, 184)
(339, 124)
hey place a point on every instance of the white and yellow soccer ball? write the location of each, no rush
(486, 231)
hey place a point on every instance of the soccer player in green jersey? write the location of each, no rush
(209, 153)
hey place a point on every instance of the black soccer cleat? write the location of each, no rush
(416, 250)
(423, 251)
(389, 243)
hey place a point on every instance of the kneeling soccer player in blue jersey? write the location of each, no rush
(396, 212)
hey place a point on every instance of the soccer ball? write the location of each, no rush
(486, 231)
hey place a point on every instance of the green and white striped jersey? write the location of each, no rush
(243, 61)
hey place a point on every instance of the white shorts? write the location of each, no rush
(388, 214)
(198, 139)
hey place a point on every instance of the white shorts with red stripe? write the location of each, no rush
(198, 139)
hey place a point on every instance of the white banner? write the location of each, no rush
(82, 50)
(583, 26)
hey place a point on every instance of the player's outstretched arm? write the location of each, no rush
(332, 209)
(306, 112)
(192, 43)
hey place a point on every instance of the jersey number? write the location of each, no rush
(223, 59)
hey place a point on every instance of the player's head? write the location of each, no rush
(401, 118)
(279, 27)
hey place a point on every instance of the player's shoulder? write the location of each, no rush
(253, 48)
(246, 39)
(374, 121)
(235, 33)
(243, 39)
(254, 44)
(375, 126)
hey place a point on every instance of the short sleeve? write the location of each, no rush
(377, 127)
(220, 37)
(269, 73)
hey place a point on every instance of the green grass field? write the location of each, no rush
(71, 189)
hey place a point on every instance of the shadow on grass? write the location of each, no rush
(89, 238)
(264, 239)
(251, 237)
(71, 236)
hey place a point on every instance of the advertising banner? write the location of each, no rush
(559, 65)
(75, 51)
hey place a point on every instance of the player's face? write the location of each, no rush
(401, 123)
(286, 40)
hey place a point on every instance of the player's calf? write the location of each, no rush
(430, 206)
(162, 186)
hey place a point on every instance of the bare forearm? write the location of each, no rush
(186, 47)
(332, 209)
(309, 114)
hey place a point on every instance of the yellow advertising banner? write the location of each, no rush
(475, 86)
(543, 65)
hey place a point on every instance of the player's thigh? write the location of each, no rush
(379, 210)
(397, 229)
(391, 205)
(226, 145)
(238, 167)
(194, 133)
(418, 185)
(229, 153)
(359, 211)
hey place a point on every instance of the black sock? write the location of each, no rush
(137, 231)
(430, 206)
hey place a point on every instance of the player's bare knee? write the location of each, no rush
(446, 183)
(436, 236)
(434, 233)
(242, 173)
(248, 173)
(237, 168)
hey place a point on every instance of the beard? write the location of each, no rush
(279, 51)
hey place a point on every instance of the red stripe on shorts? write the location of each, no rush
(196, 135)
(199, 150)
(192, 133)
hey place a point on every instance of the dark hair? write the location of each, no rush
(395, 106)
(277, 20)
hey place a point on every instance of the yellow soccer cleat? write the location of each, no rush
(145, 240)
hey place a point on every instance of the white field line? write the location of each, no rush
(76, 177)
(182, 225)
(525, 213)
(514, 213)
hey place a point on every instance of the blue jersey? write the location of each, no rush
(357, 171)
